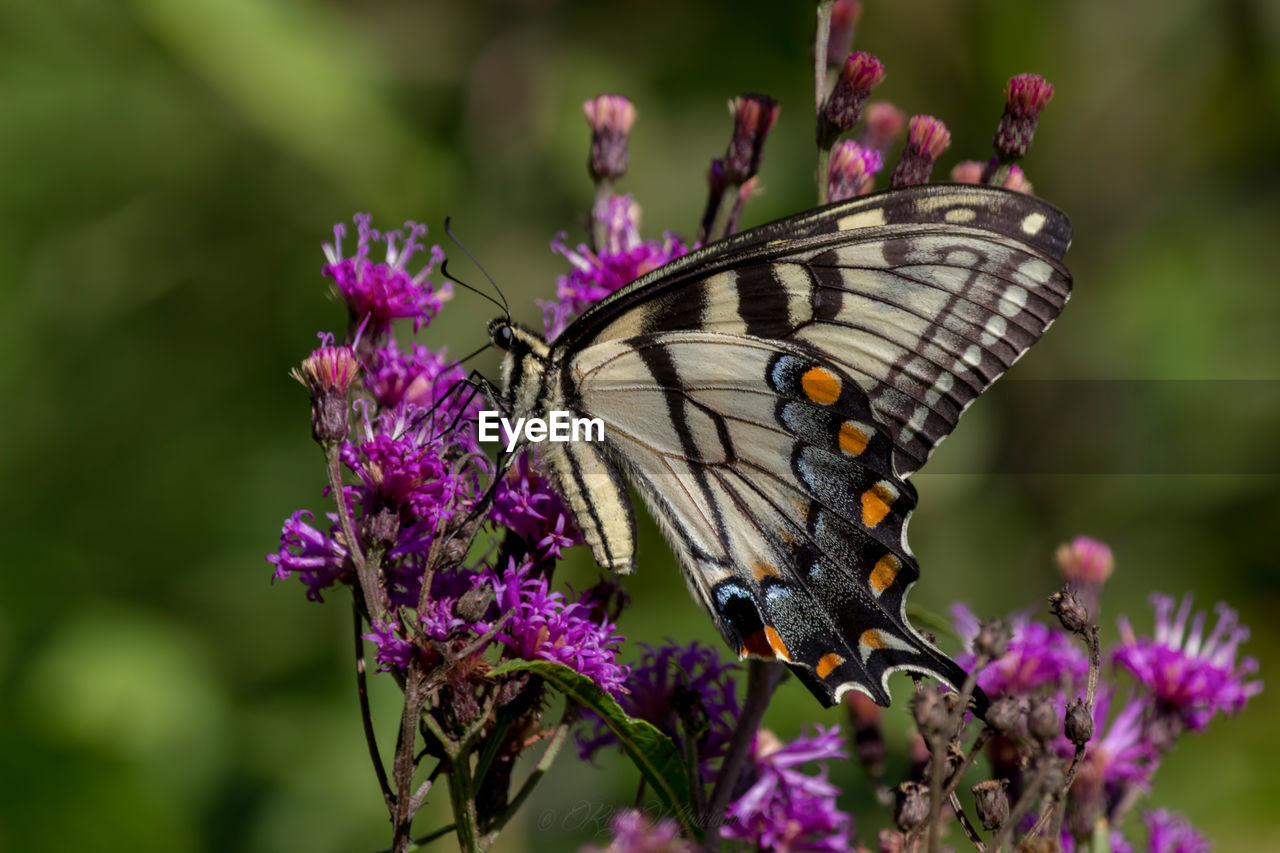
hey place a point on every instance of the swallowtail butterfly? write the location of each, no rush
(770, 394)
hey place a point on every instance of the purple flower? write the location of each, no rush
(1038, 656)
(420, 377)
(1189, 676)
(526, 504)
(394, 651)
(378, 293)
(622, 258)
(1085, 561)
(784, 809)
(633, 832)
(664, 680)
(1117, 842)
(850, 170)
(541, 626)
(927, 138)
(317, 557)
(1172, 833)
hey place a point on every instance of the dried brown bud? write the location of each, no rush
(1003, 714)
(910, 805)
(992, 640)
(931, 713)
(991, 800)
(1042, 721)
(1070, 612)
(1079, 723)
(473, 605)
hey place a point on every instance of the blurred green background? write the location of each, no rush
(169, 169)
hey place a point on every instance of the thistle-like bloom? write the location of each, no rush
(420, 377)
(634, 832)
(753, 118)
(851, 170)
(664, 684)
(1190, 677)
(883, 125)
(622, 258)
(376, 293)
(1025, 98)
(526, 504)
(784, 808)
(927, 138)
(394, 651)
(540, 625)
(861, 73)
(1168, 832)
(318, 558)
(611, 118)
(1038, 656)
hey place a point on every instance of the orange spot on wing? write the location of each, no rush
(876, 501)
(775, 643)
(820, 386)
(884, 573)
(757, 644)
(827, 664)
(853, 439)
(872, 639)
(762, 571)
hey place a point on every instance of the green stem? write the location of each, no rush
(820, 54)
(540, 769)
(366, 571)
(824, 164)
(761, 679)
(462, 797)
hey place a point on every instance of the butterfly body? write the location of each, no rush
(769, 395)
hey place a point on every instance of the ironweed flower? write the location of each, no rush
(883, 124)
(611, 118)
(851, 170)
(861, 73)
(634, 832)
(927, 138)
(753, 118)
(1037, 656)
(1026, 96)
(1190, 676)
(1168, 832)
(784, 808)
(376, 293)
(621, 259)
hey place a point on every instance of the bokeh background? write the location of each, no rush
(168, 169)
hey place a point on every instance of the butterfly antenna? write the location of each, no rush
(467, 252)
(444, 271)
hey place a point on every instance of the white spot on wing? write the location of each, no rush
(1012, 300)
(862, 219)
(961, 215)
(973, 355)
(995, 329)
(1032, 223)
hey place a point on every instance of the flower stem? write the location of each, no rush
(365, 571)
(366, 716)
(558, 738)
(762, 677)
(820, 90)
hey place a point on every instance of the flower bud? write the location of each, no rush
(991, 800)
(844, 21)
(611, 118)
(1042, 721)
(1085, 561)
(910, 805)
(1079, 723)
(1070, 612)
(992, 641)
(882, 124)
(861, 73)
(1017, 181)
(931, 713)
(927, 138)
(1003, 714)
(1025, 98)
(967, 172)
(328, 373)
(850, 170)
(753, 117)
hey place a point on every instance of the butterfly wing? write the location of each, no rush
(770, 397)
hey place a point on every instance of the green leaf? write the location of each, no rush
(655, 754)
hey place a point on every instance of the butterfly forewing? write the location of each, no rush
(770, 394)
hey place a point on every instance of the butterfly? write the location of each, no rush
(770, 394)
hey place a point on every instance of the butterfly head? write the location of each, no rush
(524, 364)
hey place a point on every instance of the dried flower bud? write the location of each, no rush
(1025, 98)
(927, 138)
(1070, 612)
(850, 170)
(844, 21)
(1085, 561)
(868, 735)
(882, 124)
(611, 118)
(473, 604)
(1003, 714)
(753, 117)
(992, 640)
(910, 805)
(931, 713)
(991, 800)
(328, 373)
(1079, 723)
(967, 172)
(381, 529)
(1042, 720)
(861, 73)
